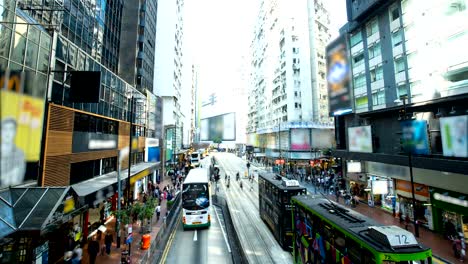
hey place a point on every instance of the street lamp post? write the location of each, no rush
(122, 154)
(410, 165)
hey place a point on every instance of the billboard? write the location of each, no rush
(219, 127)
(170, 144)
(323, 138)
(21, 118)
(360, 139)
(414, 137)
(454, 136)
(354, 166)
(338, 77)
(152, 153)
(300, 139)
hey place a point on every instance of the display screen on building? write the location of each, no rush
(323, 138)
(338, 77)
(360, 139)
(300, 139)
(454, 136)
(415, 137)
(21, 117)
(354, 166)
(219, 127)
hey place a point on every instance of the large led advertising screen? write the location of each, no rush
(21, 116)
(338, 77)
(360, 139)
(219, 127)
(415, 137)
(300, 139)
(454, 136)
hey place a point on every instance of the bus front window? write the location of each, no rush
(195, 196)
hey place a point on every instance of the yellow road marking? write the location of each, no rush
(169, 244)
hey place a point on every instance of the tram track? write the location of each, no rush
(263, 249)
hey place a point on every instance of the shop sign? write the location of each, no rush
(451, 200)
(68, 205)
(419, 189)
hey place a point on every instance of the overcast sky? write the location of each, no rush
(219, 33)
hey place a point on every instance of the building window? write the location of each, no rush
(374, 51)
(399, 65)
(358, 60)
(401, 91)
(376, 74)
(397, 38)
(372, 27)
(378, 98)
(356, 38)
(361, 102)
(394, 13)
(359, 81)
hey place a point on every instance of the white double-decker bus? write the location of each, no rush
(196, 200)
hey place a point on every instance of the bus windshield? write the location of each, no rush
(195, 196)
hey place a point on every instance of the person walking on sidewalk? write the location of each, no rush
(108, 239)
(93, 250)
(158, 212)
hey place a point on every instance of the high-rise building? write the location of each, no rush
(168, 77)
(139, 29)
(288, 96)
(407, 134)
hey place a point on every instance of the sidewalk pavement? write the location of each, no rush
(441, 247)
(136, 252)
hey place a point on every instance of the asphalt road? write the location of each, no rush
(199, 246)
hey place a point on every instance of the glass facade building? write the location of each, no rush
(138, 67)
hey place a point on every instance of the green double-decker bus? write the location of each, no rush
(326, 232)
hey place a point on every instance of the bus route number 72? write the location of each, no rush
(402, 239)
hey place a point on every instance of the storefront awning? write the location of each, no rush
(98, 189)
(30, 208)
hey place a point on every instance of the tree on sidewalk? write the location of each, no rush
(217, 140)
(145, 212)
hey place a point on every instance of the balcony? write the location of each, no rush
(377, 84)
(357, 48)
(398, 51)
(400, 78)
(362, 109)
(395, 25)
(358, 69)
(376, 61)
(380, 106)
(373, 38)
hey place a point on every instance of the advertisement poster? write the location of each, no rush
(21, 132)
(414, 137)
(360, 139)
(300, 139)
(454, 136)
(219, 127)
(338, 77)
(169, 144)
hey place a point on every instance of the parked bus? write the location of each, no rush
(196, 200)
(326, 232)
(274, 193)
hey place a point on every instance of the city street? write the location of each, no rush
(256, 240)
(199, 246)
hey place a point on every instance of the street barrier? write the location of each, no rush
(154, 254)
